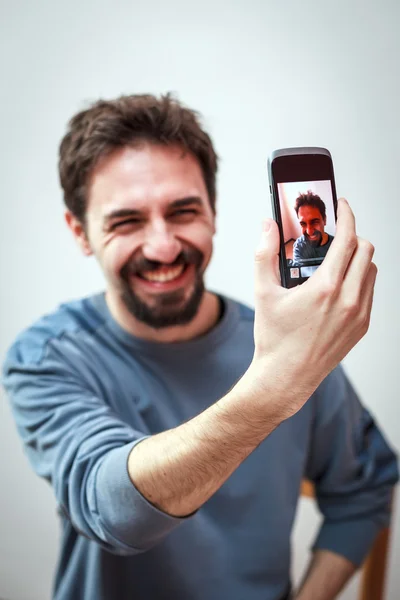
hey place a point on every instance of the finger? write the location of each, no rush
(368, 297)
(338, 257)
(358, 268)
(267, 257)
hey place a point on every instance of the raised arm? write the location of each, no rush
(296, 346)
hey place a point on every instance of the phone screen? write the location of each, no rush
(308, 224)
(304, 201)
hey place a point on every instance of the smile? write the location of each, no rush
(164, 274)
(166, 278)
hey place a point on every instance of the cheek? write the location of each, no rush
(117, 254)
(201, 236)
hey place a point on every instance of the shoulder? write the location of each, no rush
(245, 312)
(299, 242)
(300, 249)
(71, 319)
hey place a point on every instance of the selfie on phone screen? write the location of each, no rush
(303, 196)
(308, 224)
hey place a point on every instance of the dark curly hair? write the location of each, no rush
(129, 121)
(310, 199)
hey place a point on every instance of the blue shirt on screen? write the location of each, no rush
(303, 249)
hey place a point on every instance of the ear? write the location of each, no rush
(78, 232)
(214, 223)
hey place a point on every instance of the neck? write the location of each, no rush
(206, 318)
(325, 238)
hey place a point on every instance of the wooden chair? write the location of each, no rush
(373, 571)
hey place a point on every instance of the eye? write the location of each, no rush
(184, 213)
(131, 221)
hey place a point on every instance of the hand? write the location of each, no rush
(307, 330)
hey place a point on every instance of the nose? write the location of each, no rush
(160, 243)
(310, 230)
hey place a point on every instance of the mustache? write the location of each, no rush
(186, 257)
(316, 233)
(317, 242)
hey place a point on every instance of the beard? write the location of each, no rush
(314, 243)
(169, 308)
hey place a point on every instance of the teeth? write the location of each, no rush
(163, 275)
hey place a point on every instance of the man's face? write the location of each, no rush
(150, 225)
(312, 224)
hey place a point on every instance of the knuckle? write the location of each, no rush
(261, 291)
(327, 291)
(365, 321)
(259, 255)
(366, 246)
(350, 241)
(351, 309)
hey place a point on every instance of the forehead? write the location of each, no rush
(145, 177)
(309, 212)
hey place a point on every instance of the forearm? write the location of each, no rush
(326, 576)
(179, 469)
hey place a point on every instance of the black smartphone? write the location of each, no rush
(304, 205)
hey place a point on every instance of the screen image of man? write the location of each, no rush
(174, 423)
(314, 242)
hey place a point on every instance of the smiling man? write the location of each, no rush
(174, 423)
(314, 242)
(150, 224)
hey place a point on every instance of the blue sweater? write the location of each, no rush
(84, 391)
(302, 249)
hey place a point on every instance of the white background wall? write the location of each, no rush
(265, 74)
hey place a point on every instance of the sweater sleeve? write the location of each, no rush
(74, 440)
(353, 469)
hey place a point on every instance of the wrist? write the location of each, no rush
(284, 385)
(256, 393)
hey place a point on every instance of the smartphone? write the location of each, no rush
(304, 205)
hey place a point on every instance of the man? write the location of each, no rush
(314, 242)
(176, 424)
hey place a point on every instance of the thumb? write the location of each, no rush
(267, 255)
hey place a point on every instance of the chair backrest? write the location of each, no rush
(373, 571)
